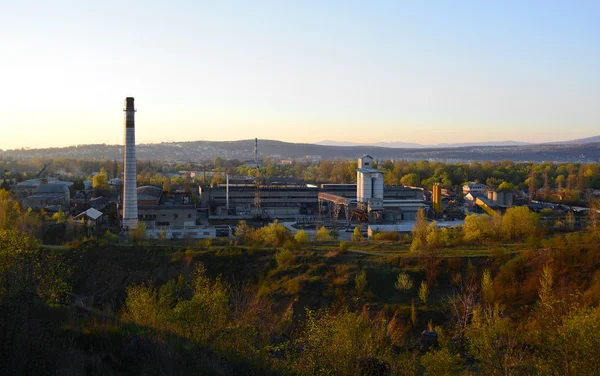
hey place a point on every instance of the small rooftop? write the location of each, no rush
(90, 213)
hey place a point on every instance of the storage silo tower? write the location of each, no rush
(130, 208)
(436, 198)
(369, 185)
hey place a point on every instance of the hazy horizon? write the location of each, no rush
(381, 71)
(321, 142)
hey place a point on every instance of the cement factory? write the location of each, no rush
(290, 200)
(214, 209)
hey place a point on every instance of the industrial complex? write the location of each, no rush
(214, 209)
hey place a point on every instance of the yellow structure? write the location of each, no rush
(485, 207)
(437, 198)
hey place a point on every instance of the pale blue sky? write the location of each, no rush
(420, 71)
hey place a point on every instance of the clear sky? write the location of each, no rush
(302, 71)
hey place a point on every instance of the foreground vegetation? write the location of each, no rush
(244, 310)
(525, 301)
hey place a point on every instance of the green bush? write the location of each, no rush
(343, 246)
(301, 237)
(284, 258)
(404, 282)
(360, 281)
(322, 234)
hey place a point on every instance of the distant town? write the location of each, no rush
(584, 150)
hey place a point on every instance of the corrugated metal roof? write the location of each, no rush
(90, 213)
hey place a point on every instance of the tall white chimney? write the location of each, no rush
(130, 208)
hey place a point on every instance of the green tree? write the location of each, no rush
(59, 216)
(139, 233)
(9, 210)
(337, 344)
(100, 181)
(360, 281)
(274, 235)
(243, 232)
(413, 313)
(411, 180)
(518, 222)
(545, 291)
(423, 292)
(403, 282)
(487, 288)
(478, 228)
(205, 313)
(218, 162)
(284, 258)
(419, 231)
(322, 234)
(356, 235)
(441, 363)
(301, 237)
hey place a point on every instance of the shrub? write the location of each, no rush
(361, 282)
(206, 313)
(301, 237)
(404, 282)
(519, 222)
(338, 344)
(343, 246)
(274, 234)
(356, 235)
(322, 234)
(423, 292)
(478, 228)
(441, 362)
(284, 258)
(142, 306)
(389, 235)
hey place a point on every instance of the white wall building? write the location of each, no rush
(475, 188)
(369, 184)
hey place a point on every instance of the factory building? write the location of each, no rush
(474, 188)
(244, 198)
(500, 198)
(290, 198)
(29, 187)
(55, 194)
(173, 222)
(149, 195)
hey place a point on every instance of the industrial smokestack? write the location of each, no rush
(256, 151)
(227, 194)
(130, 208)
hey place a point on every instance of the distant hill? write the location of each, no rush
(579, 141)
(404, 145)
(197, 151)
(413, 145)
